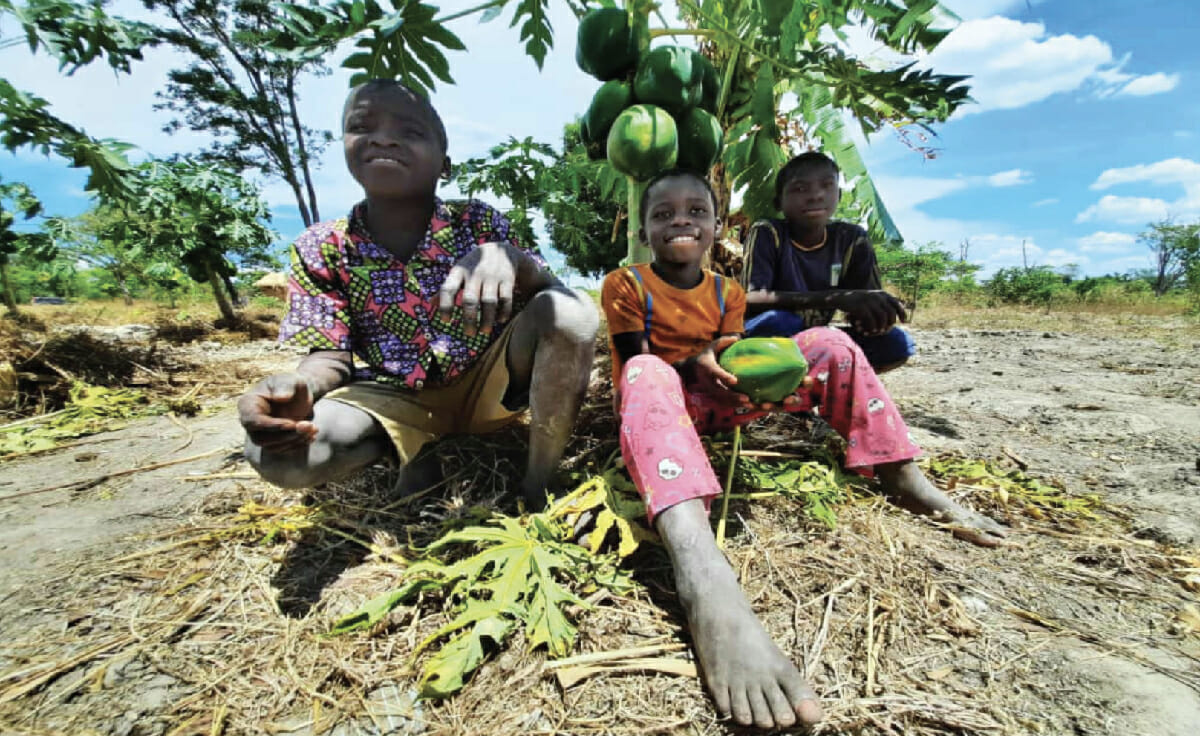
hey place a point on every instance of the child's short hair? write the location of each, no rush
(806, 160)
(671, 173)
(382, 83)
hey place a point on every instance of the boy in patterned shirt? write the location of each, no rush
(423, 318)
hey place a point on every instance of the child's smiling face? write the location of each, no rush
(810, 195)
(393, 148)
(679, 222)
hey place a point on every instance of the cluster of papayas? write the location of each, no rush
(656, 108)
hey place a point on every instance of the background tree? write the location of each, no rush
(515, 170)
(576, 196)
(76, 34)
(243, 92)
(83, 240)
(915, 272)
(18, 201)
(192, 216)
(1176, 251)
(582, 210)
(788, 83)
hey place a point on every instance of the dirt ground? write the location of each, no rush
(114, 619)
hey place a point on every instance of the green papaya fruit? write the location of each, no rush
(767, 368)
(608, 44)
(670, 77)
(710, 83)
(643, 141)
(608, 102)
(700, 140)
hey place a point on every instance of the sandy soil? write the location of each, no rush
(1115, 415)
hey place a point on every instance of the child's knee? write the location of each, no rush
(565, 313)
(649, 373)
(284, 470)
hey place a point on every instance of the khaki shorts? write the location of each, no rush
(470, 405)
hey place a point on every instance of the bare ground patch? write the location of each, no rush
(211, 620)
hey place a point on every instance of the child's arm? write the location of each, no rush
(487, 277)
(490, 274)
(277, 411)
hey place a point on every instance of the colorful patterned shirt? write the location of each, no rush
(347, 293)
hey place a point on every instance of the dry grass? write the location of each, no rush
(217, 626)
(1149, 321)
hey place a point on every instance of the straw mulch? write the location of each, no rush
(216, 627)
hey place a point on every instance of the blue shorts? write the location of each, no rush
(893, 346)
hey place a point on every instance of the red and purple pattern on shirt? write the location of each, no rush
(347, 293)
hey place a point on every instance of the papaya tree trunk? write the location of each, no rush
(223, 303)
(125, 295)
(230, 288)
(6, 292)
(638, 251)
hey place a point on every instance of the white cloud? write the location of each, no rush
(1045, 202)
(1183, 134)
(1170, 171)
(1010, 178)
(1125, 210)
(1177, 171)
(1014, 64)
(1103, 241)
(1150, 84)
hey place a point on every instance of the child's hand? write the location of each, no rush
(277, 411)
(873, 312)
(486, 276)
(714, 380)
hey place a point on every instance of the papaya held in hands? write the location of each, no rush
(768, 369)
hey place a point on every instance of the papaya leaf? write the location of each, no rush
(374, 610)
(614, 500)
(445, 671)
(763, 104)
(536, 31)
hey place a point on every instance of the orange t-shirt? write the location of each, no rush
(682, 321)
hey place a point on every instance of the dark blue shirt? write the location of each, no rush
(775, 262)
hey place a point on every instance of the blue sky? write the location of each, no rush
(1084, 130)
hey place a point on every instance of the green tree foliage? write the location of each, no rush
(762, 59)
(83, 240)
(516, 170)
(76, 34)
(578, 197)
(1176, 251)
(582, 210)
(243, 92)
(17, 201)
(915, 272)
(400, 40)
(191, 216)
(1038, 285)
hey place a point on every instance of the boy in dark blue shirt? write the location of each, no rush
(801, 269)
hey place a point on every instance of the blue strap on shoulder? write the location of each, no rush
(720, 282)
(649, 298)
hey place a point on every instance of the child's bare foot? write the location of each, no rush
(907, 485)
(748, 676)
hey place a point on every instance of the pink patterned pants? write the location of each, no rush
(661, 419)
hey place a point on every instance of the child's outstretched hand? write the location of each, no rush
(874, 311)
(487, 277)
(277, 411)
